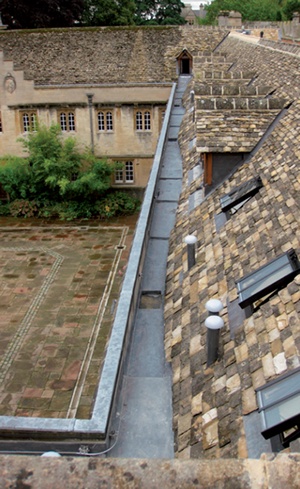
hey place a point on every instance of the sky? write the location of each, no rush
(195, 3)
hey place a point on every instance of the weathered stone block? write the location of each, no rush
(249, 401)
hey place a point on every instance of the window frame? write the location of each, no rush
(291, 265)
(107, 123)
(237, 197)
(69, 122)
(143, 120)
(285, 389)
(31, 124)
(129, 171)
(121, 174)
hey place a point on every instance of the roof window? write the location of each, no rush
(240, 195)
(279, 407)
(272, 276)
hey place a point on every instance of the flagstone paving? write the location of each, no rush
(58, 293)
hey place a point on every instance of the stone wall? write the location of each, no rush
(290, 31)
(94, 473)
(49, 71)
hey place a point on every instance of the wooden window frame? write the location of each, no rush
(129, 172)
(125, 175)
(30, 123)
(143, 120)
(105, 120)
(208, 168)
(67, 120)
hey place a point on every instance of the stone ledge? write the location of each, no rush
(69, 472)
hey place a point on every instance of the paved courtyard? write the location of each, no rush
(58, 294)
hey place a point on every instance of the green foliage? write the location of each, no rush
(165, 12)
(108, 12)
(15, 177)
(54, 161)
(55, 180)
(23, 208)
(95, 181)
(67, 211)
(4, 209)
(117, 203)
(263, 10)
(290, 7)
(27, 14)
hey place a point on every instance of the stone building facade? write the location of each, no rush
(106, 87)
(242, 115)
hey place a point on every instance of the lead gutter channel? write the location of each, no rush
(18, 431)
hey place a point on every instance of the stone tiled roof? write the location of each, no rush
(210, 403)
(103, 55)
(223, 132)
(231, 115)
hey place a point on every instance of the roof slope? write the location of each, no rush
(103, 55)
(231, 114)
(210, 403)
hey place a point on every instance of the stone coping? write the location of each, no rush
(68, 472)
(97, 426)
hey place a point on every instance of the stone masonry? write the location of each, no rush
(103, 55)
(210, 403)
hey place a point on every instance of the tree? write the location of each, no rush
(290, 7)
(57, 180)
(263, 10)
(29, 14)
(108, 12)
(54, 170)
(165, 12)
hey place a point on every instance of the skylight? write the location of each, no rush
(279, 407)
(238, 196)
(268, 278)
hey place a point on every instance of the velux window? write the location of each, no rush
(268, 278)
(235, 199)
(279, 407)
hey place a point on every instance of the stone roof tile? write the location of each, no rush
(267, 343)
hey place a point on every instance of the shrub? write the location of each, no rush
(23, 208)
(15, 177)
(117, 203)
(4, 209)
(67, 211)
(55, 180)
(54, 170)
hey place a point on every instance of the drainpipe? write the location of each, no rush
(90, 104)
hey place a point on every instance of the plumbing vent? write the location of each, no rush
(151, 299)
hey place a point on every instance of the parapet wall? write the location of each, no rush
(70, 473)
